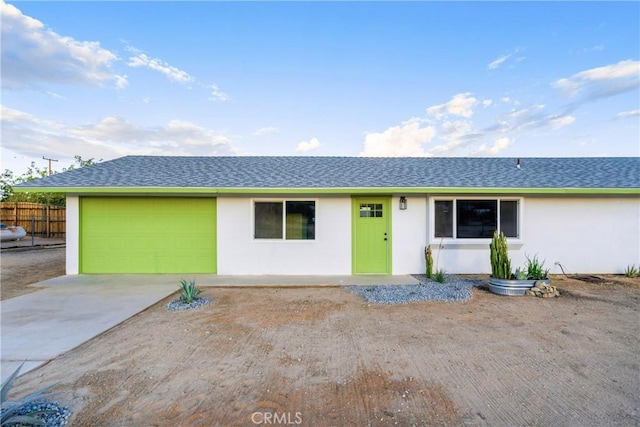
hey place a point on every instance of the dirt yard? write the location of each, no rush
(21, 268)
(323, 357)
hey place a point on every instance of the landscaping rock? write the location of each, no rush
(180, 305)
(543, 290)
(455, 289)
(50, 413)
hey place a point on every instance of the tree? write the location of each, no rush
(8, 180)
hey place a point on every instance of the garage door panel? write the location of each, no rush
(148, 235)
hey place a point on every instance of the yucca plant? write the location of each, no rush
(499, 252)
(429, 262)
(632, 271)
(189, 291)
(18, 413)
(439, 276)
(535, 269)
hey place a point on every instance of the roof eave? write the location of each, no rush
(324, 190)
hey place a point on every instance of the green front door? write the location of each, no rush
(147, 235)
(371, 236)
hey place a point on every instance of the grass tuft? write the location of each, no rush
(439, 276)
(632, 271)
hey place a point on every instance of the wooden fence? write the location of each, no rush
(44, 220)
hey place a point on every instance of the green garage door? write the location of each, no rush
(147, 235)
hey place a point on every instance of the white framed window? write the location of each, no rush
(284, 219)
(475, 217)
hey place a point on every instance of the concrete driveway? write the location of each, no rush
(40, 326)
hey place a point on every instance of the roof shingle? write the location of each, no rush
(350, 172)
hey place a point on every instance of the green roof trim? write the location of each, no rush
(337, 190)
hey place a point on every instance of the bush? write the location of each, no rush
(439, 276)
(535, 269)
(189, 291)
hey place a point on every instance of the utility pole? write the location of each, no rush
(50, 160)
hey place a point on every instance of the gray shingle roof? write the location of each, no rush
(351, 172)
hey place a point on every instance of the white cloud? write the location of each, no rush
(499, 145)
(525, 117)
(172, 73)
(33, 54)
(217, 94)
(503, 58)
(406, 140)
(460, 105)
(496, 63)
(487, 103)
(610, 78)
(630, 113)
(266, 130)
(306, 146)
(561, 121)
(110, 137)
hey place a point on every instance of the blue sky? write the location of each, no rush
(107, 79)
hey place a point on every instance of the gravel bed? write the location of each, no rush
(179, 305)
(454, 289)
(53, 415)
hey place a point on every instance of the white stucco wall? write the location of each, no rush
(586, 234)
(73, 235)
(240, 254)
(409, 231)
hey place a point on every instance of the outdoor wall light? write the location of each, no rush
(403, 203)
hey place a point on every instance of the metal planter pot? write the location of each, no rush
(512, 287)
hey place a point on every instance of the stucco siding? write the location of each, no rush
(240, 254)
(409, 234)
(584, 234)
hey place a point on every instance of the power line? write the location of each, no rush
(50, 160)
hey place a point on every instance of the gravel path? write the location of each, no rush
(454, 289)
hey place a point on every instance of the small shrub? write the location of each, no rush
(189, 291)
(439, 276)
(429, 262)
(632, 271)
(19, 413)
(520, 274)
(535, 269)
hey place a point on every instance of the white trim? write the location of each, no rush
(72, 262)
(471, 243)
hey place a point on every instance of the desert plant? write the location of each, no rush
(429, 262)
(439, 276)
(520, 274)
(535, 269)
(19, 413)
(189, 291)
(499, 252)
(632, 271)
